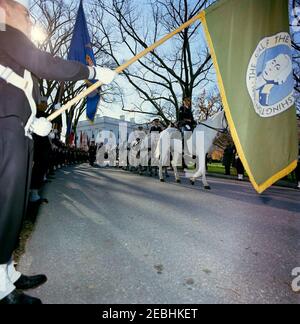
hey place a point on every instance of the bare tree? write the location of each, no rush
(171, 72)
(209, 103)
(295, 29)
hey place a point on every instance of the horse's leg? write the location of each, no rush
(161, 176)
(167, 173)
(204, 181)
(200, 171)
(176, 174)
(193, 180)
(140, 169)
(151, 168)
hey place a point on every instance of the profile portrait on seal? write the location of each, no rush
(276, 72)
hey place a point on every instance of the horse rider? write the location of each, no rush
(186, 119)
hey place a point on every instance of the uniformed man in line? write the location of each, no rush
(20, 60)
(92, 153)
(156, 126)
(155, 130)
(228, 158)
(41, 157)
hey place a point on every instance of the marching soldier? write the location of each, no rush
(20, 63)
(155, 130)
(156, 126)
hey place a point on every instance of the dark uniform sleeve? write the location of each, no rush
(192, 118)
(180, 116)
(42, 64)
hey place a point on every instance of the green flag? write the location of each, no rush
(251, 49)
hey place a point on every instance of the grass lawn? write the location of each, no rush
(220, 169)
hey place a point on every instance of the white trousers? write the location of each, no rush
(8, 276)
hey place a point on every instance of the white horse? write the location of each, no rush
(170, 145)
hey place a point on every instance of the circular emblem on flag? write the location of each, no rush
(270, 79)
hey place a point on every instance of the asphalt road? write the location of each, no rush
(108, 236)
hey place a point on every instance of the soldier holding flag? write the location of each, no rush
(21, 63)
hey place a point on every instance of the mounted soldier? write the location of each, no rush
(186, 119)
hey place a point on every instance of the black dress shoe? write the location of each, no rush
(18, 298)
(25, 282)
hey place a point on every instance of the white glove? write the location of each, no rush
(41, 127)
(106, 76)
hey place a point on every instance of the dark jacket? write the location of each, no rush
(155, 129)
(228, 157)
(186, 114)
(19, 53)
(92, 153)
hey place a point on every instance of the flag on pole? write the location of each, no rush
(251, 48)
(81, 50)
(72, 139)
(69, 134)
